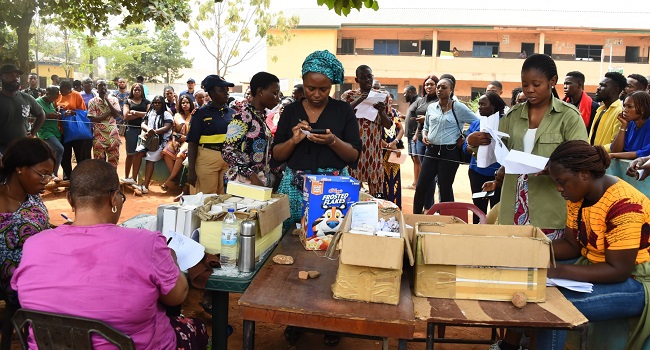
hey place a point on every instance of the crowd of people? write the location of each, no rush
(207, 140)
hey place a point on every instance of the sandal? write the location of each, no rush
(164, 187)
(291, 334)
(331, 339)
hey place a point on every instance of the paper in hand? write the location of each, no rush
(366, 110)
(524, 163)
(188, 252)
(396, 157)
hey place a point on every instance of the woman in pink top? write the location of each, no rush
(95, 269)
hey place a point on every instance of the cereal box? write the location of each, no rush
(325, 201)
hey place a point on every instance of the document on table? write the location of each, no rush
(188, 252)
(524, 163)
(366, 110)
(581, 287)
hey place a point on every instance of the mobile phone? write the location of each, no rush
(318, 131)
(478, 195)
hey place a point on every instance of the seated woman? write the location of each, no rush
(25, 169)
(633, 138)
(247, 149)
(175, 151)
(329, 153)
(156, 123)
(121, 276)
(608, 232)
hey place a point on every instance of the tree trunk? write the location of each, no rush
(22, 31)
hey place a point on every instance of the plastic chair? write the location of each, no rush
(56, 331)
(459, 210)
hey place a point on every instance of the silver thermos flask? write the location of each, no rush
(247, 246)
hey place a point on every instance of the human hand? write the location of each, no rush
(420, 119)
(543, 172)
(415, 138)
(425, 140)
(380, 106)
(191, 178)
(298, 135)
(323, 139)
(640, 163)
(489, 186)
(621, 118)
(478, 138)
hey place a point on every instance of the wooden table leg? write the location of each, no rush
(249, 335)
(430, 335)
(220, 320)
(401, 344)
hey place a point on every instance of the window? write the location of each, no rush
(427, 47)
(528, 47)
(347, 47)
(632, 54)
(443, 45)
(393, 90)
(409, 46)
(485, 49)
(589, 52)
(476, 92)
(548, 49)
(386, 47)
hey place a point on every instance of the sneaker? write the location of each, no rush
(144, 190)
(129, 181)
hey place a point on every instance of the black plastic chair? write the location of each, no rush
(57, 332)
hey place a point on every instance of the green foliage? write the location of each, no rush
(223, 27)
(9, 45)
(343, 7)
(135, 51)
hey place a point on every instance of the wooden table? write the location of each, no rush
(556, 313)
(278, 296)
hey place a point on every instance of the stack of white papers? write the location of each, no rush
(524, 163)
(366, 110)
(582, 287)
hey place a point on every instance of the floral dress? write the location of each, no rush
(106, 136)
(30, 218)
(247, 148)
(392, 184)
(370, 167)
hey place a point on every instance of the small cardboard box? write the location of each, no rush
(370, 267)
(326, 200)
(481, 262)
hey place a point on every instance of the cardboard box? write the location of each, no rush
(249, 191)
(211, 238)
(370, 267)
(411, 219)
(326, 200)
(481, 262)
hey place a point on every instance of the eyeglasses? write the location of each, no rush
(120, 193)
(44, 178)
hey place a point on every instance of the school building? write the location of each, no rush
(404, 45)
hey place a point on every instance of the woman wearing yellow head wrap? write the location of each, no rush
(336, 145)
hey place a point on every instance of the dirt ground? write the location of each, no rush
(270, 336)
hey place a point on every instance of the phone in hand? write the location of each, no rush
(318, 131)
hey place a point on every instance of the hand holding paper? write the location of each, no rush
(366, 108)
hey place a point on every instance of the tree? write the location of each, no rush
(343, 7)
(85, 14)
(232, 32)
(168, 53)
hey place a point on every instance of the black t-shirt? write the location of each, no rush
(411, 125)
(337, 116)
(138, 107)
(209, 120)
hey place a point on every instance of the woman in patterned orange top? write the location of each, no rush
(608, 232)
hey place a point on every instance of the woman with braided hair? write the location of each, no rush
(608, 232)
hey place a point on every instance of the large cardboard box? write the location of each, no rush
(326, 200)
(370, 267)
(481, 262)
(411, 219)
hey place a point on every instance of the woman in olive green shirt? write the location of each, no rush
(536, 127)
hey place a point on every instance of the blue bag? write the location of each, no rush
(77, 127)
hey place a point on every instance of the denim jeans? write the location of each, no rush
(57, 147)
(606, 302)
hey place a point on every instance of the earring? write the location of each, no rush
(114, 209)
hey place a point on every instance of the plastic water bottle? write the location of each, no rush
(229, 237)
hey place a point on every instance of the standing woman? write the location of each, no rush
(392, 186)
(248, 140)
(205, 164)
(26, 168)
(134, 109)
(104, 110)
(488, 104)
(156, 123)
(536, 127)
(441, 133)
(330, 153)
(415, 117)
(633, 138)
(175, 151)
